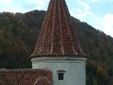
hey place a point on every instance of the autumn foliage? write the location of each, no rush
(19, 32)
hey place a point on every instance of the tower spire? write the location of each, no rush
(57, 36)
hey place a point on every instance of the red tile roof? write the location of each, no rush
(57, 36)
(25, 77)
(42, 81)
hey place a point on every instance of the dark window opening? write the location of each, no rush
(60, 76)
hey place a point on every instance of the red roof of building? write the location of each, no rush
(57, 36)
(25, 77)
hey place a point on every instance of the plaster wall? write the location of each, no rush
(75, 69)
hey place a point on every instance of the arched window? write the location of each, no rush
(60, 74)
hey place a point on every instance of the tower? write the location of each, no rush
(58, 49)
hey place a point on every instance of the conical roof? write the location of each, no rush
(57, 36)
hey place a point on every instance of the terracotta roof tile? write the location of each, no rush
(25, 77)
(57, 35)
(42, 81)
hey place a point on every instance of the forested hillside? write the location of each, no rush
(19, 32)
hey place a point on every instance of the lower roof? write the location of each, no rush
(25, 77)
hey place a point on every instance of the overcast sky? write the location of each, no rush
(98, 13)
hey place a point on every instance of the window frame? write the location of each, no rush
(60, 74)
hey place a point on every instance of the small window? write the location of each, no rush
(61, 74)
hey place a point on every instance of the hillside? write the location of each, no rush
(19, 32)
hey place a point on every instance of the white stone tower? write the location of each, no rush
(58, 49)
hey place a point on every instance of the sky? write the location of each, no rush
(97, 13)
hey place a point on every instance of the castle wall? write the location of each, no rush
(74, 69)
